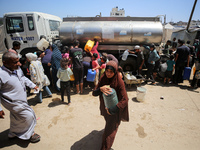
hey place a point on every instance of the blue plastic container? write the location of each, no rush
(111, 99)
(91, 75)
(186, 74)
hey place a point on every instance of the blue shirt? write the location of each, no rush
(170, 64)
(47, 57)
(153, 56)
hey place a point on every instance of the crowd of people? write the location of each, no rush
(66, 69)
(182, 55)
(46, 68)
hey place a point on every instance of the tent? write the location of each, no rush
(167, 32)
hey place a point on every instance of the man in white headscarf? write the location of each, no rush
(13, 97)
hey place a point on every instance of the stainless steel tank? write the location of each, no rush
(124, 31)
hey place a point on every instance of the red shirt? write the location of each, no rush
(95, 64)
(94, 49)
(103, 66)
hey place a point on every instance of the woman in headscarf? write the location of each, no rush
(114, 115)
(37, 76)
(55, 64)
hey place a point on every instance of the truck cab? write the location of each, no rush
(28, 27)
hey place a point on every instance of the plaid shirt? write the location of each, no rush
(55, 57)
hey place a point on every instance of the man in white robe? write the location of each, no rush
(13, 97)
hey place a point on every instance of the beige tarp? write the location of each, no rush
(2, 36)
(168, 29)
(2, 45)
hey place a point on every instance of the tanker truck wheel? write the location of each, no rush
(28, 50)
(129, 64)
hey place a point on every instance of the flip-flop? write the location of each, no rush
(35, 138)
(49, 95)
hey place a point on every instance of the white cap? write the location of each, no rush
(137, 47)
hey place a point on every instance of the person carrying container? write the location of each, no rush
(95, 67)
(114, 115)
(94, 49)
(182, 60)
(140, 58)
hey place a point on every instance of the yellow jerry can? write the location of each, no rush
(89, 45)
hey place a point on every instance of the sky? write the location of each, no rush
(175, 10)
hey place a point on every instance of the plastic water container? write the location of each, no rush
(72, 78)
(58, 83)
(141, 92)
(89, 45)
(42, 44)
(186, 74)
(125, 55)
(111, 99)
(91, 75)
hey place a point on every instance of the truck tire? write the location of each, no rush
(6, 43)
(129, 64)
(28, 50)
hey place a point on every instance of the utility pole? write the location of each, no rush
(188, 25)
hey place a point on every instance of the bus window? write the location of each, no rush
(14, 24)
(30, 23)
(54, 25)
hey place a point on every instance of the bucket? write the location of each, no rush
(141, 92)
(91, 75)
(111, 99)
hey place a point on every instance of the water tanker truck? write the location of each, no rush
(115, 34)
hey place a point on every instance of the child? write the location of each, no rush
(26, 72)
(64, 73)
(103, 65)
(40, 55)
(65, 52)
(170, 69)
(95, 66)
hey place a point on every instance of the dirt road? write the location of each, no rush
(172, 123)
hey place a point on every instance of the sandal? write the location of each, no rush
(35, 138)
(49, 96)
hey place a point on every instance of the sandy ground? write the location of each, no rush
(172, 123)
